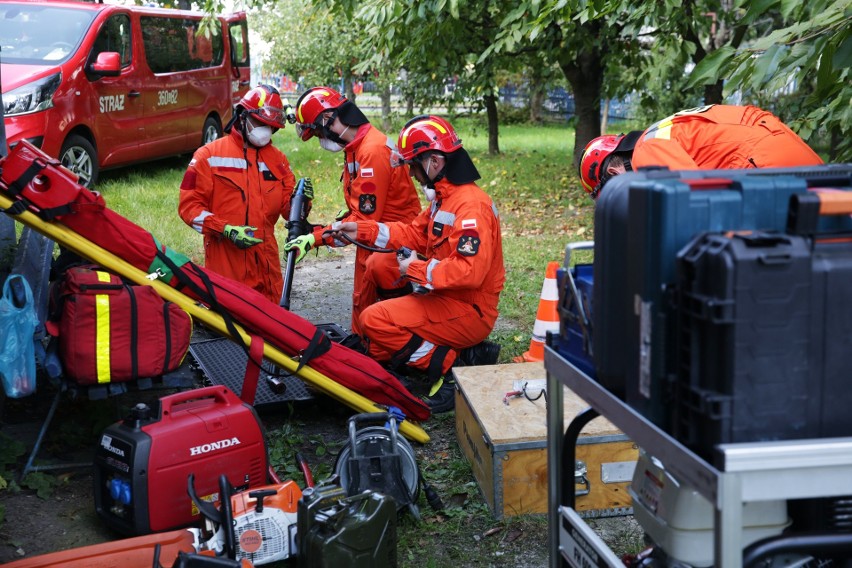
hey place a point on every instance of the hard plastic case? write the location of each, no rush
(642, 220)
(765, 331)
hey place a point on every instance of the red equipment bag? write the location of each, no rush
(111, 331)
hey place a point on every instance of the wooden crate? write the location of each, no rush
(506, 444)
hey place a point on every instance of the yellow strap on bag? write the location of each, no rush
(102, 332)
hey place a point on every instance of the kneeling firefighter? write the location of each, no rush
(451, 252)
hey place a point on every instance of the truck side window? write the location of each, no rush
(114, 36)
(239, 43)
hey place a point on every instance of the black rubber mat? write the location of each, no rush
(223, 362)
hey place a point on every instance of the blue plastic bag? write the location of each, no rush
(17, 349)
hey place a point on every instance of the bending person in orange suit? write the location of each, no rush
(703, 138)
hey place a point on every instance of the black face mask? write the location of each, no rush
(326, 132)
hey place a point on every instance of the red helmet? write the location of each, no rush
(311, 104)
(265, 104)
(424, 133)
(591, 164)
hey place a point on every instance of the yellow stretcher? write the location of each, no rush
(87, 249)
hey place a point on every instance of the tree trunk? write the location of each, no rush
(409, 105)
(537, 94)
(348, 87)
(605, 117)
(386, 108)
(491, 112)
(585, 75)
(713, 93)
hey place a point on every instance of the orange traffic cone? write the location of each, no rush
(547, 317)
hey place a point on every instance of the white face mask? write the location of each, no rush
(330, 145)
(260, 135)
(429, 192)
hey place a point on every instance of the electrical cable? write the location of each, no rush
(370, 248)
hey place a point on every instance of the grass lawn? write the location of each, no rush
(537, 192)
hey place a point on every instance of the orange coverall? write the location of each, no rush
(374, 190)
(460, 237)
(227, 185)
(722, 137)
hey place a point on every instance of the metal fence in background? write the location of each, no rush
(559, 103)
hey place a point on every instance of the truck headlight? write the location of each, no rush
(32, 97)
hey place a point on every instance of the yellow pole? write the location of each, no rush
(87, 249)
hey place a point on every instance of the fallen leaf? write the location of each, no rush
(492, 531)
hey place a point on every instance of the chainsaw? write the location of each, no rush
(248, 529)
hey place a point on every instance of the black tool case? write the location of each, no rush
(642, 220)
(764, 334)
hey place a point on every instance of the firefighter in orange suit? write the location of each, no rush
(372, 187)
(456, 266)
(235, 189)
(705, 138)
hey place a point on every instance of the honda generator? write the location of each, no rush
(142, 463)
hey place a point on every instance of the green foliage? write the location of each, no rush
(809, 55)
(417, 39)
(513, 115)
(10, 451)
(42, 483)
(308, 41)
(285, 441)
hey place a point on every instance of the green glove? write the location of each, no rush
(342, 214)
(308, 189)
(301, 245)
(241, 235)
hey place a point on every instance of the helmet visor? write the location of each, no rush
(271, 115)
(306, 131)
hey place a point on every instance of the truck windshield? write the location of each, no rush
(41, 35)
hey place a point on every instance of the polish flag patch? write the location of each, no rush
(367, 172)
(468, 224)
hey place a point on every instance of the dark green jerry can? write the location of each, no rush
(334, 530)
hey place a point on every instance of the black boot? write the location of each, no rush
(439, 395)
(355, 342)
(485, 353)
(443, 399)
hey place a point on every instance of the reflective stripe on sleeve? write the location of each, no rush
(429, 267)
(198, 222)
(383, 237)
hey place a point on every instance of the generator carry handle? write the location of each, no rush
(220, 394)
(806, 209)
